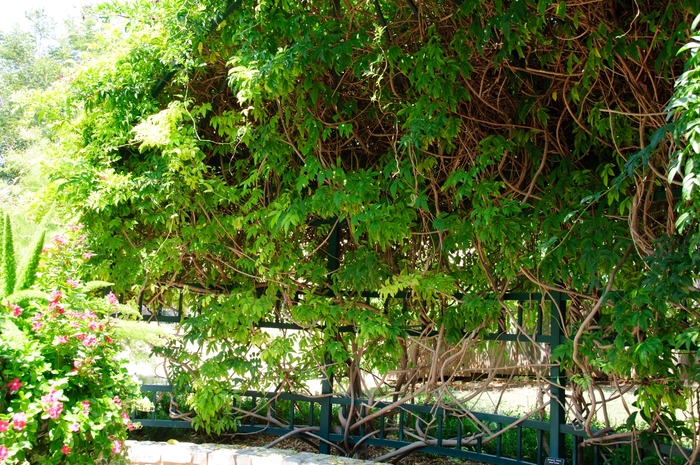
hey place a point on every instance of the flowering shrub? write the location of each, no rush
(64, 396)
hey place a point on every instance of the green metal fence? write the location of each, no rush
(444, 432)
(425, 427)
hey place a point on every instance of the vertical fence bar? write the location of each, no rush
(292, 406)
(499, 441)
(574, 453)
(155, 403)
(326, 413)
(459, 434)
(596, 455)
(557, 416)
(332, 265)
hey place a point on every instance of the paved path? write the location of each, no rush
(186, 453)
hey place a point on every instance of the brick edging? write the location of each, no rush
(187, 453)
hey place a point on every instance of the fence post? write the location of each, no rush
(557, 387)
(333, 264)
(326, 412)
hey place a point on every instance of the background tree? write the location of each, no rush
(31, 60)
(25, 64)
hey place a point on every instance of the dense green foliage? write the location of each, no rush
(460, 151)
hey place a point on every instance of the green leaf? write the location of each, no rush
(561, 10)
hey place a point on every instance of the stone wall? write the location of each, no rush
(185, 453)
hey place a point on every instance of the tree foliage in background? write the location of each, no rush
(32, 58)
(460, 150)
(30, 62)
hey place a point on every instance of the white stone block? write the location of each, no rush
(245, 456)
(145, 452)
(265, 457)
(293, 460)
(200, 453)
(222, 457)
(302, 458)
(177, 454)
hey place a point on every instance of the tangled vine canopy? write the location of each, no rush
(457, 151)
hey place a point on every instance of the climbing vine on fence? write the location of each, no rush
(457, 151)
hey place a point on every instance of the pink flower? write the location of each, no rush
(3, 426)
(125, 417)
(4, 452)
(60, 340)
(65, 449)
(57, 307)
(72, 283)
(92, 325)
(74, 427)
(59, 240)
(112, 299)
(52, 397)
(88, 255)
(117, 447)
(19, 421)
(37, 325)
(117, 401)
(14, 385)
(108, 339)
(75, 227)
(90, 341)
(78, 364)
(55, 296)
(87, 314)
(16, 309)
(80, 336)
(86, 406)
(130, 426)
(55, 410)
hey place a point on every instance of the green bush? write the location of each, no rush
(64, 395)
